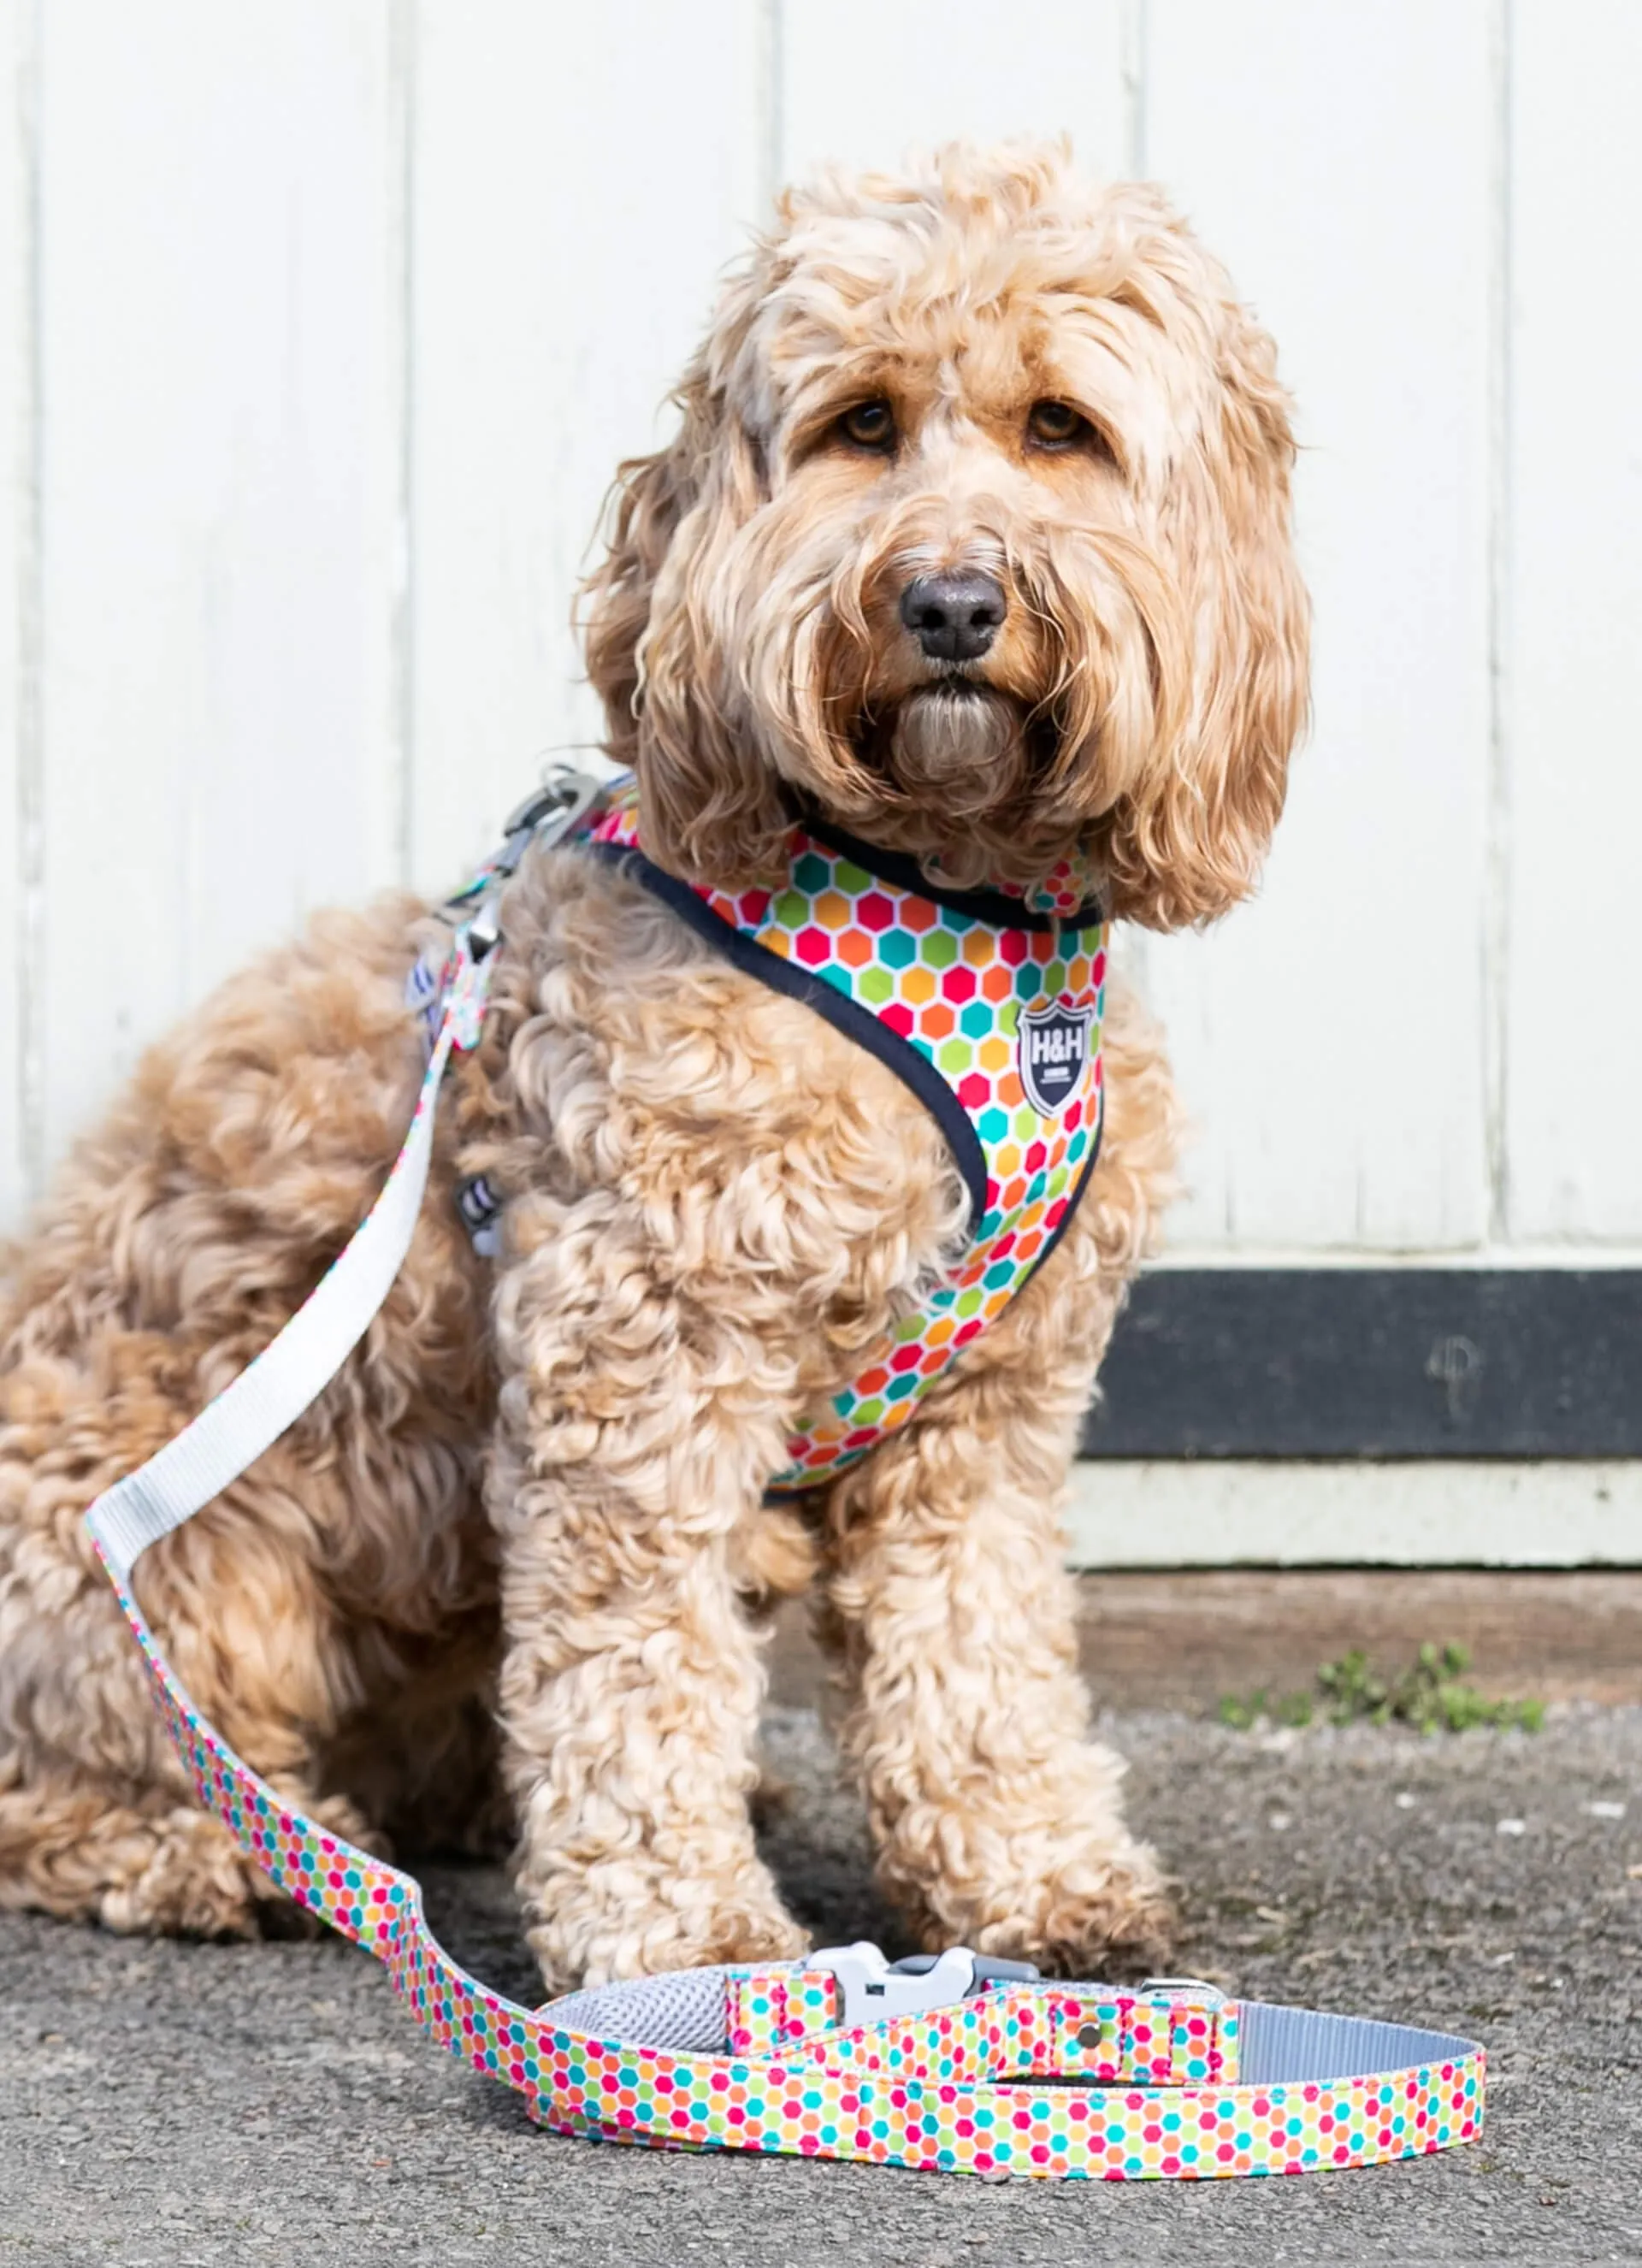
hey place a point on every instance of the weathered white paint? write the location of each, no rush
(860, 80)
(580, 176)
(18, 546)
(1328, 1038)
(1443, 1513)
(348, 310)
(1571, 976)
(217, 501)
(323, 329)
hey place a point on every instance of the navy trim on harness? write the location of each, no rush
(1072, 1202)
(868, 1031)
(995, 908)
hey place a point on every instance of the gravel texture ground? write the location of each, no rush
(170, 2104)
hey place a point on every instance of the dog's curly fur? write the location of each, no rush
(535, 1496)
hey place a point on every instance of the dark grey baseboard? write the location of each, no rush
(1394, 1362)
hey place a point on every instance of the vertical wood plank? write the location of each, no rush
(580, 177)
(861, 82)
(17, 546)
(217, 496)
(1572, 1003)
(1329, 1038)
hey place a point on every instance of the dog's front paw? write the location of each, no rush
(1013, 1877)
(603, 1926)
(1098, 1911)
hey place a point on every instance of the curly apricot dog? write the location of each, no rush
(536, 1495)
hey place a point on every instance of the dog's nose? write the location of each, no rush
(954, 618)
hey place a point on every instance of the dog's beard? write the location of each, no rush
(960, 748)
(964, 777)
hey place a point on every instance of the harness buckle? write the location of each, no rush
(873, 1989)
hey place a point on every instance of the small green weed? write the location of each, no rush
(1432, 1693)
(1242, 1713)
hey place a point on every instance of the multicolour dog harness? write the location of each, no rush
(988, 1007)
(952, 2064)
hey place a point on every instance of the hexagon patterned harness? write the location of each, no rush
(988, 1007)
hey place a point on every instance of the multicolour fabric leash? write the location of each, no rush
(952, 2064)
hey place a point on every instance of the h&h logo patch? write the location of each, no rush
(1052, 1050)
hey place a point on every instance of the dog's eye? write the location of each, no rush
(869, 425)
(1056, 425)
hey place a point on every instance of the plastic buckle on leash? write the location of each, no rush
(873, 1990)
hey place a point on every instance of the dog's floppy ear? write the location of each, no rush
(1187, 843)
(709, 806)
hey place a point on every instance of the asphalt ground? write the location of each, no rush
(167, 2104)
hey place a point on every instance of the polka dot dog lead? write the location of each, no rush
(954, 2064)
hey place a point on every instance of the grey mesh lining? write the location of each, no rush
(684, 2012)
(1275, 2043)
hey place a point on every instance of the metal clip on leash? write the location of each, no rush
(566, 800)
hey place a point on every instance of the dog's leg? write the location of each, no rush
(997, 1818)
(635, 1436)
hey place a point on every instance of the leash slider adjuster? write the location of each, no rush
(1181, 1988)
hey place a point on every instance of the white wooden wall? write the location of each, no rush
(324, 322)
